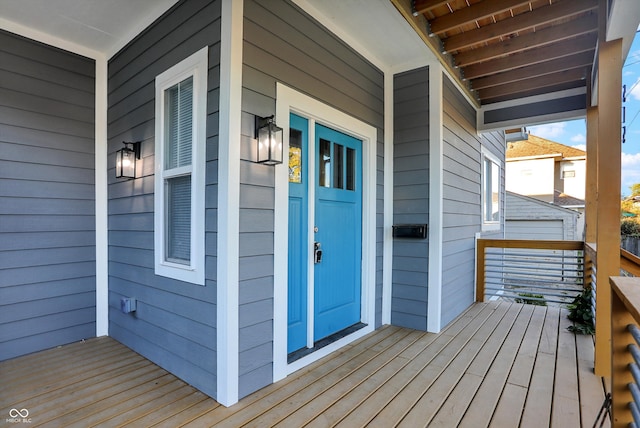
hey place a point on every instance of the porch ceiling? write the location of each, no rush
(499, 50)
(84, 26)
(510, 49)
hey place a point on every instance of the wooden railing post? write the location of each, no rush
(620, 357)
(480, 270)
(608, 182)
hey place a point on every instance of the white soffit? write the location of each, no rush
(99, 25)
(374, 28)
(624, 16)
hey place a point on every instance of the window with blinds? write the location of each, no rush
(177, 173)
(180, 162)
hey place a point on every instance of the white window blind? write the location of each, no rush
(179, 120)
(179, 219)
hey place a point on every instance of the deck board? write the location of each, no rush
(498, 364)
(537, 410)
(434, 398)
(506, 345)
(565, 411)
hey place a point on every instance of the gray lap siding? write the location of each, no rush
(175, 322)
(410, 197)
(461, 199)
(283, 44)
(47, 202)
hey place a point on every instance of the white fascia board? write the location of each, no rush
(227, 307)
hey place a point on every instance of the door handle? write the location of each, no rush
(317, 253)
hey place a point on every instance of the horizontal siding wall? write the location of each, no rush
(47, 203)
(462, 211)
(175, 322)
(461, 202)
(410, 197)
(283, 44)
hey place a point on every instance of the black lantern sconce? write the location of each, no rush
(269, 137)
(126, 160)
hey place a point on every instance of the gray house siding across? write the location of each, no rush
(175, 322)
(461, 199)
(410, 197)
(47, 204)
(283, 44)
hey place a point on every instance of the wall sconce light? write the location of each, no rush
(126, 160)
(269, 137)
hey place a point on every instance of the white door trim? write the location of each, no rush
(291, 101)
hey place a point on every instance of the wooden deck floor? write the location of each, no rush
(502, 365)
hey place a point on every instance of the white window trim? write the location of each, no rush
(490, 225)
(196, 66)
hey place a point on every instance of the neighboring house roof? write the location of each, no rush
(565, 200)
(541, 147)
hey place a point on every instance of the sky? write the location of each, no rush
(573, 133)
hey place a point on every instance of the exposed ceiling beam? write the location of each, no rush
(574, 75)
(581, 60)
(532, 56)
(537, 17)
(580, 26)
(419, 23)
(422, 6)
(473, 13)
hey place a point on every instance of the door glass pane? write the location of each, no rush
(179, 219)
(178, 124)
(295, 156)
(351, 169)
(338, 166)
(324, 163)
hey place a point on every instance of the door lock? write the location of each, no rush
(317, 253)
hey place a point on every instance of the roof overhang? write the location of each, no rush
(524, 62)
(506, 56)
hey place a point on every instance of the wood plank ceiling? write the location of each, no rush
(509, 49)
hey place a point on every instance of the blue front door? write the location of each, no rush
(336, 233)
(338, 230)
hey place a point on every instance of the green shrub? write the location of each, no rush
(581, 314)
(531, 299)
(629, 228)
